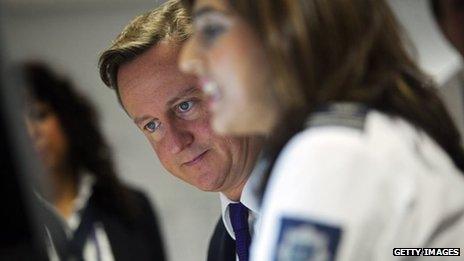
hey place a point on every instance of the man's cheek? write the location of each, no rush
(204, 130)
(167, 164)
(158, 146)
(161, 155)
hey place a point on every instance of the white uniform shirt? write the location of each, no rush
(350, 194)
(97, 247)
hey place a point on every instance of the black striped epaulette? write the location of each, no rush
(351, 115)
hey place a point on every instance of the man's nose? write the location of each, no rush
(178, 138)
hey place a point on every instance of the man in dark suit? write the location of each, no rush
(170, 110)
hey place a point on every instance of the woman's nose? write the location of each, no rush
(32, 128)
(190, 59)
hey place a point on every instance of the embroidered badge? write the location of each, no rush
(303, 239)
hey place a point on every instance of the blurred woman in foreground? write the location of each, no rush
(91, 214)
(363, 156)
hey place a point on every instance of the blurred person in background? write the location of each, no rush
(98, 217)
(363, 155)
(170, 110)
(449, 15)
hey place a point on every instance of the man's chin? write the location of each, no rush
(208, 187)
(206, 183)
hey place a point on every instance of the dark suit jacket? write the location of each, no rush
(134, 238)
(221, 245)
(138, 241)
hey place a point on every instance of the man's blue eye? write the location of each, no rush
(151, 126)
(185, 106)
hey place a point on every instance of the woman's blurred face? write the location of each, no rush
(47, 135)
(230, 62)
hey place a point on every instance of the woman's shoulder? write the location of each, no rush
(372, 132)
(376, 149)
(337, 124)
(130, 202)
(326, 136)
(137, 196)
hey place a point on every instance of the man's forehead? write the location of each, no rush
(162, 83)
(153, 75)
(159, 60)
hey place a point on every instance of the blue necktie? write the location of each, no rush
(239, 218)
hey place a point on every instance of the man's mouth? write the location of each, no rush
(196, 159)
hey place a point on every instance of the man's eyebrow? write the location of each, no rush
(182, 94)
(141, 119)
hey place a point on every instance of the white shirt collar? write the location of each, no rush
(248, 198)
(85, 187)
(84, 192)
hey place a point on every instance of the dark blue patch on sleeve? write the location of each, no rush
(304, 239)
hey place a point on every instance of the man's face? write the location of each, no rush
(170, 110)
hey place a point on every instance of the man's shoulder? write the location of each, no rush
(220, 233)
(221, 245)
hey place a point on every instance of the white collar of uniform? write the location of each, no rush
(248, 199)
(85, 185)
(85, 188)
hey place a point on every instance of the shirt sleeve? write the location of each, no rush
(322, 197)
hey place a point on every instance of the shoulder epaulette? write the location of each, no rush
(350, 115)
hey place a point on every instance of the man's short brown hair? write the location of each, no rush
(169, 21)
